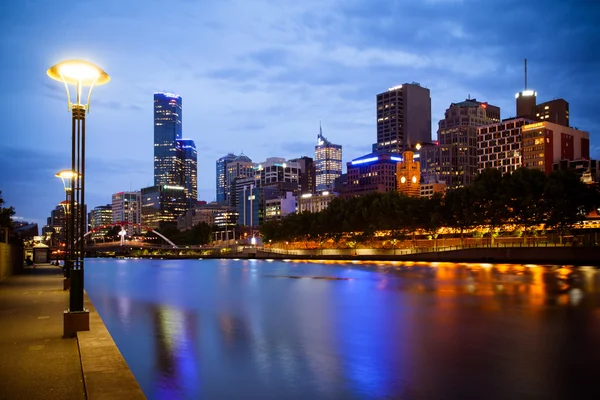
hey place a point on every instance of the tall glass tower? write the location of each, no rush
(222, 181)
(167, 129)
(328, 162)
(187, 158)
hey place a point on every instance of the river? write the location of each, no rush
(261, 329)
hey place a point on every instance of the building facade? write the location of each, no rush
(162, 204)
(328, 163)
(408, 175)
(277, 172)
(314, 203)
(100, 216)
(280, 206)
(403, 117)
(499, 145)
(167, 130)
(457, 162)
(555, 111)
(375, 172)
(545, 144)
(127, 207)
(307, 174)
(241, 167)
(187, 160)
(222, 182)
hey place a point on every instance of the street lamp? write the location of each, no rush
(67, 177)
(80, 74)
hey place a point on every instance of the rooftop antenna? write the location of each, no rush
(320, 128)
(525, 74)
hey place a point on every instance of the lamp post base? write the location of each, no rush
(66, 283)
(75, 321)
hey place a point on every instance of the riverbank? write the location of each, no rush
(36, 362)
(505, 255)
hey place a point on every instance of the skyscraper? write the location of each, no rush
(403, 117)
(222, 183)
(167, 129)
(239, 168)
(127, 207)
(187, 160)
(457, 163)
(328, 162)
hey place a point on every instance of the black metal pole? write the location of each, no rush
(76, 295)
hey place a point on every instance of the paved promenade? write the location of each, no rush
(37, 363)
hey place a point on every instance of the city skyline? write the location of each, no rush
(237, 71)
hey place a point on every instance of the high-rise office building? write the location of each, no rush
(187, 159)
(101, 216)
(328, 163)
(277, 172)
(162, 204)
(545, 144)
(307, 174)
(457, 164)
(403, 117)
(555, 111)
(167, 130)
(374, 172)
(126, 207)
(499, 145)
(221, 178)
(240, 167)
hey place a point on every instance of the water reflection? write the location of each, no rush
(194, 329)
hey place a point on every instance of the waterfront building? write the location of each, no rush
(587, 170)
(278, 207)
(279, 173)
(201, 213)
(101, 216)
(222, 182)
(314, 203)
(307, 174)
(187, 165)
(556, 111)
(499, 145)
(546, 143)
(403, 117)
(328, 163)
(167, 130)
(455, 158)
(240, 167)
(163, 203)
(127, 207)
(428, 189)
(408, 175)
(252, 201)
(374, 172)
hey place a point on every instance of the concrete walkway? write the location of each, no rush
(37, 363)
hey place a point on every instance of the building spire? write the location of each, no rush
(320, 128)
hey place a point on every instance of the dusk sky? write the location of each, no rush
(258, 75)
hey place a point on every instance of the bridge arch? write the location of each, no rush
(124, 223)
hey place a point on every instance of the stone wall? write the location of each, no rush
(11, 260)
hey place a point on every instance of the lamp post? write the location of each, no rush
(67, 177)
(80, 74)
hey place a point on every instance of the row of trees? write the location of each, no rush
(526, 198)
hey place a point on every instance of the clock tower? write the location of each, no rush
(408, 175)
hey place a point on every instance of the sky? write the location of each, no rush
(257, 76)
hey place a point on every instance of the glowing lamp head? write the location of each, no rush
(67, 174)
(78, 71)
(403, 179)
(418, 146)
(414, 179)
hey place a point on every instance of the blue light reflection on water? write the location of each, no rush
(254, 329)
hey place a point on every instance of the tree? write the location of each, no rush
(489, 201)
(6, 214)
(524, 190)
(565, 197)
